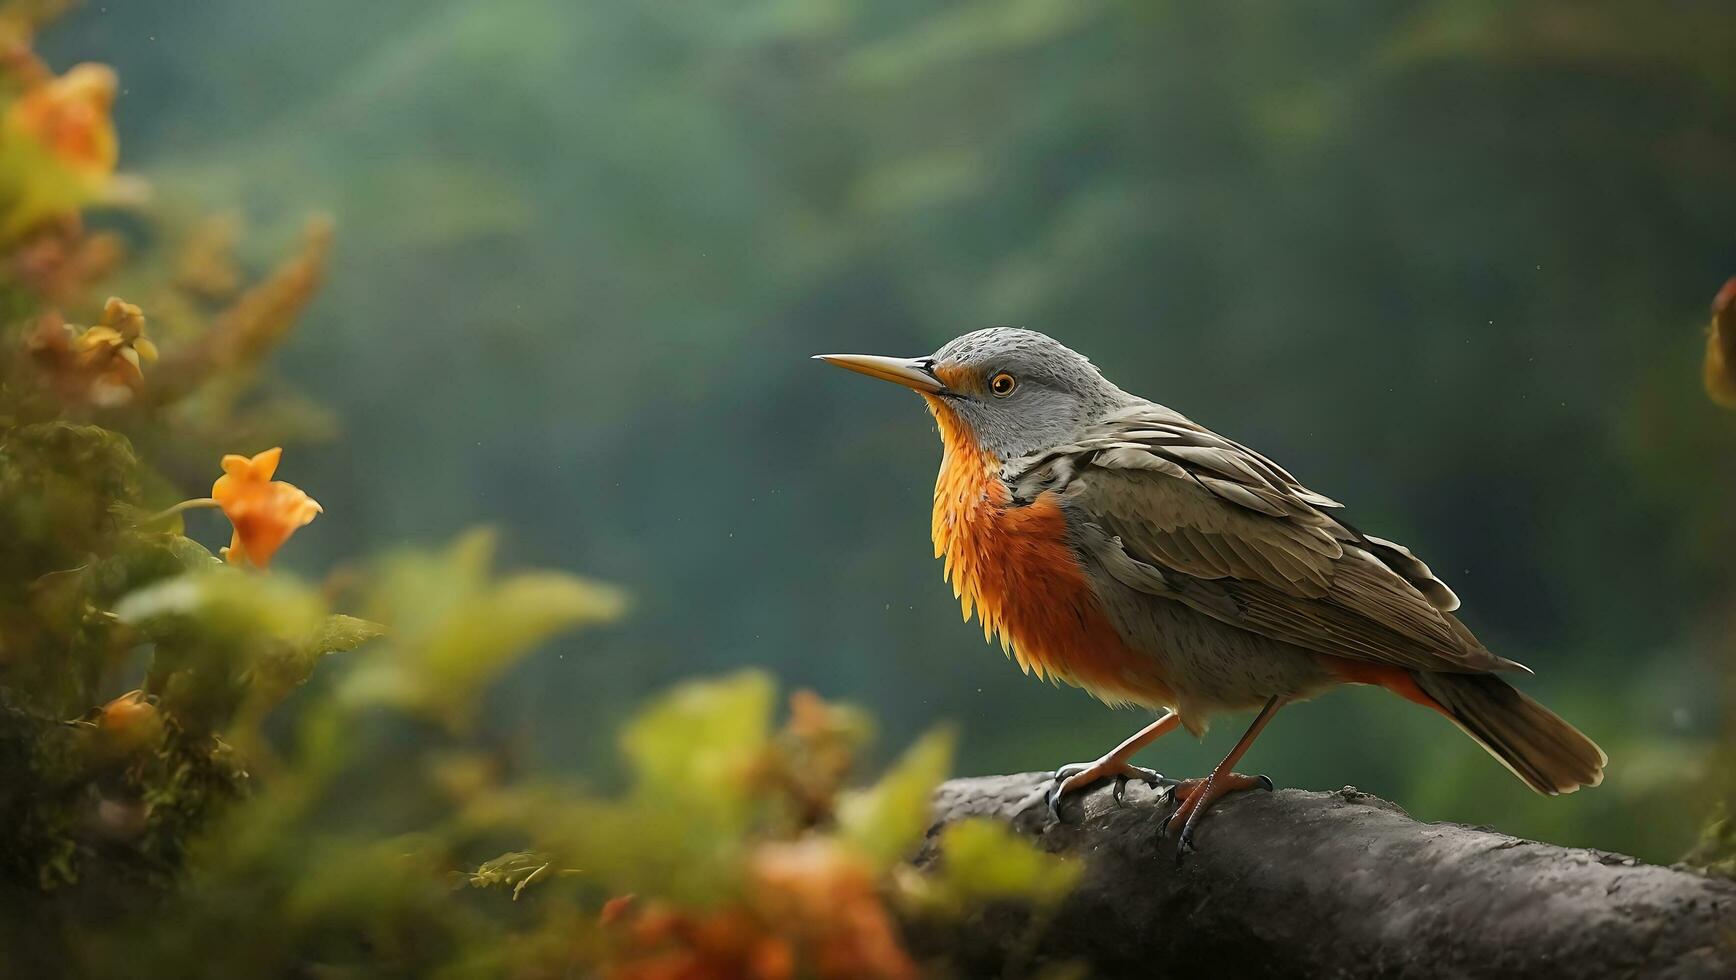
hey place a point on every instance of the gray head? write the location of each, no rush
(1016, 391)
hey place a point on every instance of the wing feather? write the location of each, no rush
(1192, 516)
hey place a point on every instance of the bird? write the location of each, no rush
(1118, 546)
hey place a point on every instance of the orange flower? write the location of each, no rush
(1721, 348)
(811, 909)
(824, 900)
(70, 117)
(656, 940)
(265, 512)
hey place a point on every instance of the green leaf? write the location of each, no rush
(701, 741)
(886, 822)
(455, 630)
(225, 600)
(225, 638)
(983, 860)
(288, 665)
(1715, 852)
(341, 634)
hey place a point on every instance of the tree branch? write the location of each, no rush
(1338, 884)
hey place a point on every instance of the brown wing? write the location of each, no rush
(1193, 516)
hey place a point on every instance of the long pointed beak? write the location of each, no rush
(911, 372)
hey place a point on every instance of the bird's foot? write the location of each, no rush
(1076, 776)
(1196, 796)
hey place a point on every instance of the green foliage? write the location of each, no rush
(986, 861)
(1716, 851)
(230, 641)
(886, 821)
(336, 633)
(281, 875)
(276, 877)
(92, 789)
(701, 741)
(59, 482)
(456, 630)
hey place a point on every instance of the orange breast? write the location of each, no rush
(1014, 567)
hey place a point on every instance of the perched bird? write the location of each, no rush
(1116, 545)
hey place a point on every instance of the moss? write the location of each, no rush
(1715, 853)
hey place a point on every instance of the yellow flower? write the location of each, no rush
(265, 512)
(118, 344)
(101, 365)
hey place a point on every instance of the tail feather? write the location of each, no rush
(1549, 754)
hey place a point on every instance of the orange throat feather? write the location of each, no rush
(1015, 568)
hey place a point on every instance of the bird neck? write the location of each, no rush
(1012, 567)
(970, 474)
(968, 494)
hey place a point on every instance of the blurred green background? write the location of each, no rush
(1446, 261)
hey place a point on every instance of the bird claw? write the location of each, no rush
(1055, 802)
(1080, 775)
(1184, 845)
(1196, 796)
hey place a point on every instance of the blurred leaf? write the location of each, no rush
(454, 630)
(885, 823)
(290, 664)
(983, 860)
(702, 741)
(340, 634)
(695, 757)
(386, 893)
(1715, 853)
(684, 848)
(226, 600)
(225, 638)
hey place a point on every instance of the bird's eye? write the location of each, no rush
(1003, 384)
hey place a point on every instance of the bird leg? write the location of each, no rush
(1081, 775)
(1198, 795)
